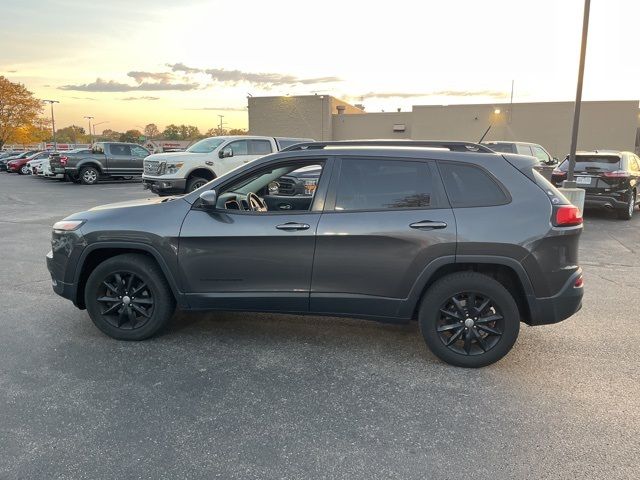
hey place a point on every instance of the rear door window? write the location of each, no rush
(368, 184)
(260, 147)
(471, 186)
(540, 154)
(120, 150)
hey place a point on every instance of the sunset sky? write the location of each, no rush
(132, 63)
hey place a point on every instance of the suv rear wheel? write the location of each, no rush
(469, 320)
(128, 297)
(626, 213)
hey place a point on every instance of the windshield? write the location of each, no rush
(207, 145)
(598, 163)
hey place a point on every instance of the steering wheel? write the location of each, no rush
(256, 204)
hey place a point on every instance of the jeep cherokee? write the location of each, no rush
(464, 240)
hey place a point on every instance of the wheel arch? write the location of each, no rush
(507, 271)
(94, 255)
(89, 163)
(202, 172)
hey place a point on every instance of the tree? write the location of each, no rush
(171, 132)
(189, 132)
(218, 132)
(151, 131)
(131, 136)
(71, 134)
(18, 109)
(36, 132)
(109, 135)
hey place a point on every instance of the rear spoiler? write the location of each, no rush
(523, 163)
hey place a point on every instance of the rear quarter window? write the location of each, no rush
(471, 186)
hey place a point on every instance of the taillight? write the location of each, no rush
(579, 283)
(567, 216)
(616, 174)
(63, 161)
(558, 173)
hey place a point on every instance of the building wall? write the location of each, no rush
(603, 124)
(307, 116)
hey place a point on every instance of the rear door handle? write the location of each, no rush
(428, 225)
(291, 226)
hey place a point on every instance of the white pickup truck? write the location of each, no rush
(183, 172)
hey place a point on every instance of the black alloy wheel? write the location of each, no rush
(128, 297)
(470, 323)
(127, 302)
(469, 319)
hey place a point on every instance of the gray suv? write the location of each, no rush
(466, 241)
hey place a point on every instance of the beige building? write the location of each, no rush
(603, 124)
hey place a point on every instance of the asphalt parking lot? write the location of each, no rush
(271, 396)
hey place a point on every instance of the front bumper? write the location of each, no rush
(64, 289)
(163, 186)
(559, 307)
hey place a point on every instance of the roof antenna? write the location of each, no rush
(485, 133)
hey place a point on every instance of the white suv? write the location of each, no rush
(183, 172)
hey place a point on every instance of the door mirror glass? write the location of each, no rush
(226, 152)
(209, 199)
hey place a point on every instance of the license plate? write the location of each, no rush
(583, 180)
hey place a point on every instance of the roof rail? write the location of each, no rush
(453, 146)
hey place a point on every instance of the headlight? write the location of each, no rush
(68, 225)
(173, 167)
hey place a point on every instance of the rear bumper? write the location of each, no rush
(165, 185)
(606, 201)
(559, 307)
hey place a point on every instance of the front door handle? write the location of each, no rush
(428, 225)
(291, 226)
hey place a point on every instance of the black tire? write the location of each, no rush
(89, 175)
(110, 305)
(470, 289)
(626, 213)
(195, 182)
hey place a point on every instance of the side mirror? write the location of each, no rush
(209, 198)
(226, 152)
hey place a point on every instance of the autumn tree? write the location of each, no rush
(218, 132)
(151, 131)
(18, 109)
(131, 136)
(35, 132)
(189, 132)
(171, 132)
(109, 135)
(71, 134)
(237, 131)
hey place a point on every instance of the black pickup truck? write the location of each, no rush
(107, 159)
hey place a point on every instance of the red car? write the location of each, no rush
(19, 165)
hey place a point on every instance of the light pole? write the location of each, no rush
(89, 117)
(570, 181)
(53, 123)
(221, 124)
(96, 124)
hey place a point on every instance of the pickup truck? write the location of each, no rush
(106, 159)
(183, 172)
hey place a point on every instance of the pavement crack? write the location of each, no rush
(622, 244)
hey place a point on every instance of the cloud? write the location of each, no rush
(12, 71)
(181, 67)
(162, 77)
(438, 93)
(128, 99)
(101, 85)
(221, 109)
(234, 77)
(84, 98)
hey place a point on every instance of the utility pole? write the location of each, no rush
(221, 124)
(570, 181)
(89, 117)
(95, 125)
(53, 123)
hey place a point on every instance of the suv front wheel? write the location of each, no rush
(128, 297)
(469, 320)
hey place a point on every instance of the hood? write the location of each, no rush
(134, 203)
(169, 156)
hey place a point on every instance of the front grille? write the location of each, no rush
(287, 187)
(152, 167)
